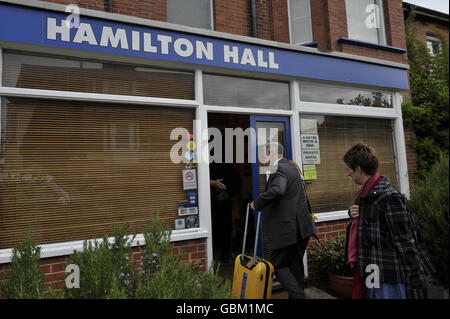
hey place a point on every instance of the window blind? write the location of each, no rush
(333, 190)
(62, 74)
(72, 169)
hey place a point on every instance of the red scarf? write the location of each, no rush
(353, 240)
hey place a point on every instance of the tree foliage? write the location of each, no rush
(427, 113)
(430, 204)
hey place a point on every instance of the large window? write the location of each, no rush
(192, 13)
(329, 188)
(365, 20)
(334, 94)
(300, 21)
(72, 169)
(243, 92)
(62, 74)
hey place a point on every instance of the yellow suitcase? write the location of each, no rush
(253, 276)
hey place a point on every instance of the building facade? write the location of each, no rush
(105, 105)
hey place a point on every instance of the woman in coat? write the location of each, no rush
(384, 246)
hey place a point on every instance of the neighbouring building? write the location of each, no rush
(90, 104)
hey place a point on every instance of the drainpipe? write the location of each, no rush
(254, 30)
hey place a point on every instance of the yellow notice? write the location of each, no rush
(309, 172)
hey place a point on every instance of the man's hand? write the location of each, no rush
(252, 205)
(217, 183)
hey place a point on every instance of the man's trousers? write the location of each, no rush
(289, 270)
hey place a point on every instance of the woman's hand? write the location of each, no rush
(217, 183)
(354, 211)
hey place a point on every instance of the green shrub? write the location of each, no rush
(24, 281)
(430, 204)
(166, 276)
(330, 256)
(105, 267)
(107, 270)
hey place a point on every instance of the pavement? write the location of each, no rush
(313, 290)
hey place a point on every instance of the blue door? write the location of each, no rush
(266, 129)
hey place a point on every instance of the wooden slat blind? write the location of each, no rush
(48, 73)
(333, 190)
(71, 169)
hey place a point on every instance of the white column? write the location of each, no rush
(201, 140)
(296, 142)
(400, 148)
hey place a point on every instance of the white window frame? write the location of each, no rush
(289, 23)
(381, 32)
(430, 39)
(211, 5)
(394, 114)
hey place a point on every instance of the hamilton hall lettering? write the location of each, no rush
(157, 43)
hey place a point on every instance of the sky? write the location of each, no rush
(437, 5)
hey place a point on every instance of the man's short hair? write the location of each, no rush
(364, 156)
(275, 147)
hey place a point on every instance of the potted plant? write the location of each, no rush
(330, 257)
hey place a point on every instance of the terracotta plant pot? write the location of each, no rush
(341, 285)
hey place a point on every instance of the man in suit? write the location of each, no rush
(287, 223)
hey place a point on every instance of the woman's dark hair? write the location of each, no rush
(364, 156)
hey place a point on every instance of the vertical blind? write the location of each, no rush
(72, 169)
(333, 190)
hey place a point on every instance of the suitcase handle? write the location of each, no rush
(253, 260)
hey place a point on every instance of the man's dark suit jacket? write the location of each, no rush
(285, 210)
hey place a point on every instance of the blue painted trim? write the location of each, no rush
(371, 45)
(255, 164)
(312, 44)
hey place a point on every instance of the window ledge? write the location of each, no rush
(312, 44)
(331, 216)
(68, 248)
(371, 45)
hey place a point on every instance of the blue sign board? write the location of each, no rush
(49, 28)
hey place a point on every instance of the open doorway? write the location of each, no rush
(228, 212)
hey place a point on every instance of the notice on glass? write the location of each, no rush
(308, 126)
(310, 156)
(309, 172)
(310, 141)
(184, 211)
(189, 179)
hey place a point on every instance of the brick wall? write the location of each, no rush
(320, 24)
(411, 156)
(54, 268)
(280, 21)
(233, 16)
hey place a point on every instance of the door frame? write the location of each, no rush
(255, 165)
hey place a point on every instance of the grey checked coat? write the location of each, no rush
(388, 237)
